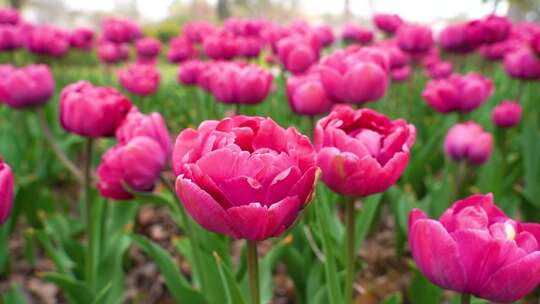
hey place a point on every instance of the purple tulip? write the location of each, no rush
(468, 141)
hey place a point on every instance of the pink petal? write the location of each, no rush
(282, 214)
(249, 221)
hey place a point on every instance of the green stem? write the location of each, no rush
(459, 177)
(350, 216)
(90, 221)
(465, 298)
(253, 269)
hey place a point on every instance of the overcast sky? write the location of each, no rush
(418, 10)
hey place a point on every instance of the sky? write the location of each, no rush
(426, 11)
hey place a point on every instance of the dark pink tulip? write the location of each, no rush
(249, 47)
(6, 191)
(6, 70)
(110, 53)
(388, 23)
(522, 64)
(495, 29)
(47, 40)
(137, 164)
(148, 48)
(356, 77)
(397, 57)
(474, 248)
(356, 34)
(296, 54)
(362, 152)
(325, 35)
(27, 87)
(414, 39)
(455, 38)
(307, 96)
(82, 38)
(180, 50)
(535, 44)
(150, 125)
(9, 16)
(245, 177)
(497, 51)
(92, 111)
(507, 114)
(401, 74)
(196, 31)
(10, 37)
(119, 30)
(189, 72)
(468, 141)
(458, 93)
(221, 46)
(439, 69)
(139, 79)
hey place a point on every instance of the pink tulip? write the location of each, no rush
(6, 70)
(180, 50)
(297, 54)
(147, 48)
(474, 248)
(47, 40)
(189, 72)
(497, 51)
(535, 44)
(325, 35)
(109, 52)
(456, 38)
(507, 114)
(137, 163)
(468, 141)
(522, 64)
(221, 46)
(10, 38)
(249, 47)
(354, 77)
(495, 29)
(356, 34)
(196, 31)
(6, 191)
(307, 96)
(401, 74)
(139, 79)
(150, 125)
(92, 111)
(414, 39)
(119, 30)
(245, 177)
(81, 38)
(388, 23)
(439, 69)
(27, 87)
(9, 16)
(362, 152)
(458, 93)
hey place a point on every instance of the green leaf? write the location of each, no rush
(365, 218)
(422, 291)
(393, 299)
(74, 289)
(14, 295)
(178, 286)
(232, 290)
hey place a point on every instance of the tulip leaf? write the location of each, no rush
(422, 291)
(74, 289)
(14, 295)
(366, 217)
(232, 290)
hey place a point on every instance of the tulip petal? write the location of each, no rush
(282, 214)
(249, 221)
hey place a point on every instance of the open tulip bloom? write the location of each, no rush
(475, 249)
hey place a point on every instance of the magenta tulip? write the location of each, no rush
(81, 38)
(401, 74)
(10, 37)
(468, 142)
(109, 52)
(180, 50)
(497, 51)
(189, 72)
(47, 40)
(474, 248)
(458, 93)
(507, 114)
(119, 30)
(439, 69)
(140, 79)
(388, 23)
(6, 191)
(196, 31)
(137, 164)
(535, 44)
(9, 16)
(92, 111)
(356, 34)
(522, 64)
(221, 46)
(297, 54)
(414, 39)
(249, 47)
(27, 87)
(325, 35)
(245, 177)
(147, 48)
(150, 125)
(455, 38)
(362, 152)
(307, 96)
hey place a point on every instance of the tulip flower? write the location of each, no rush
(325, 35)
(497, 51)
(522, 64)
(356, 34)
(180, 50)
(439, 69)
(9, 16)
(196, 31)
(189, 72)
(27, 87)
(109, 52)
(147, 48)
(119, 30)
(414, 39)
(458, 93)
(249, 47)
(137, 163)
(92, 111)
(221, 46)
(6, 191)
(535, 44)
(455, 38)
(297, 54)
(140, 79)
(10, 38)
(47, 40)
(81, 38)
(150, 125)
(307, 96)
(475, 249)
(388, 23)
(507, 114)
(468, 142)
(401, 74)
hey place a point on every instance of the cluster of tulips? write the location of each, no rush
(249, 178)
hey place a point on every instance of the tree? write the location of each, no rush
(223, 9)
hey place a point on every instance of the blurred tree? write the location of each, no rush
(223, 9)
(16, 3)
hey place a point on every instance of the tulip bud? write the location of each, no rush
(27, 87)
(81, 38)
(92, 111)
(387, 23)
(307, 96)
(468, 141)
(414, 39)
(6, 191)
(189, 72)
(180, 50)
(522, 64)
(296, 54)
(138, 164)
(139, 79)
(112, 52)
(507, 114)
(401, 74)
(10, 38)
(147, 48)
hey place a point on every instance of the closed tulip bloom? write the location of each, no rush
(388, 23)
(139, 79)
(221, 46)
(245, 177)
(414, 39)
(137, 163)
(468, 142)
(458, 93)
(150, 125)
(10, 38)
(474, 248)
(356, 34)
(535, 43)
(27, 87)
(439, 69)
(82, 38)
(307, 96)
(6, 191)
(118, 30)
(325, 35)
(148, 48)
(507, 114)
(362, 152)
(496, 29)
(9, 16)
(296, 54)
(189, 72)
(195, 31)
(522, 64)
(249, 47)
(180, 50)
(47, 40)
(455, 38)
(92, 111)
(401, 74)
(109, 52)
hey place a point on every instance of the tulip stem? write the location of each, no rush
(253, 271)
(459, 177)
(350, 216)
(465, 298)
(90, 221)
(62, 157)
